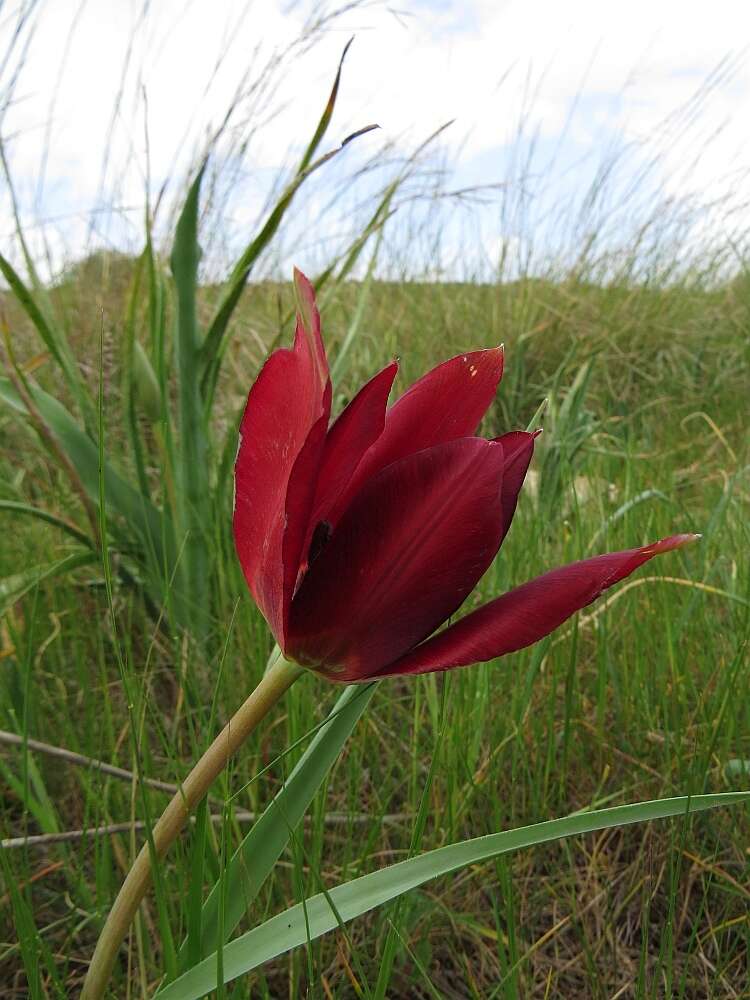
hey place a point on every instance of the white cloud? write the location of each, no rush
(487, 64)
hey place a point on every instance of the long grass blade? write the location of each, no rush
(191, 473)
(17, 507)
(214, 344)
(54, 340)
(137, 381)
(322, 913)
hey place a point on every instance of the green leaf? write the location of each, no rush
(324, 912)
(192, 476)
(12, 588)
(153, 527)
(54, 340)
(146, 383)
(137, 380)
(253, 861)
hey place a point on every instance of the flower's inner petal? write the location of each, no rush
(299, 501)
(354, 432)
(518, 447)
(528, 613)
(308, 326)
(402, 559)
(290, 397)
(445, 404)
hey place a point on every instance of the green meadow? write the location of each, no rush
(570, 820)
(643, 695)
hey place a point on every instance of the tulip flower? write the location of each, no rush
(360, 539)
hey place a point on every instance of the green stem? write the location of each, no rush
(274, 684)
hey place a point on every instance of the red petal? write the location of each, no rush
(528, 613)
(518, 447)
(446, 403)
(308, 323)
(402, 559)
(290, 397)
(299, 503)
(356, 430)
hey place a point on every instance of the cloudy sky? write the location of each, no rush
(590, 116)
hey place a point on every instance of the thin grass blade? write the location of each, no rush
(13, 588)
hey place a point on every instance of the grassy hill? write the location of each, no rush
(644, 695)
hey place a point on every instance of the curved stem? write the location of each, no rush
(274, 684)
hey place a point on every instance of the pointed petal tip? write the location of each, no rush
(491, 357)
(522, 616)
(305, 296)
(500, 351)
(490, 352)
(308, 325)
(674, 542)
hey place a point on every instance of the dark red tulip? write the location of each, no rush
(359, 540)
